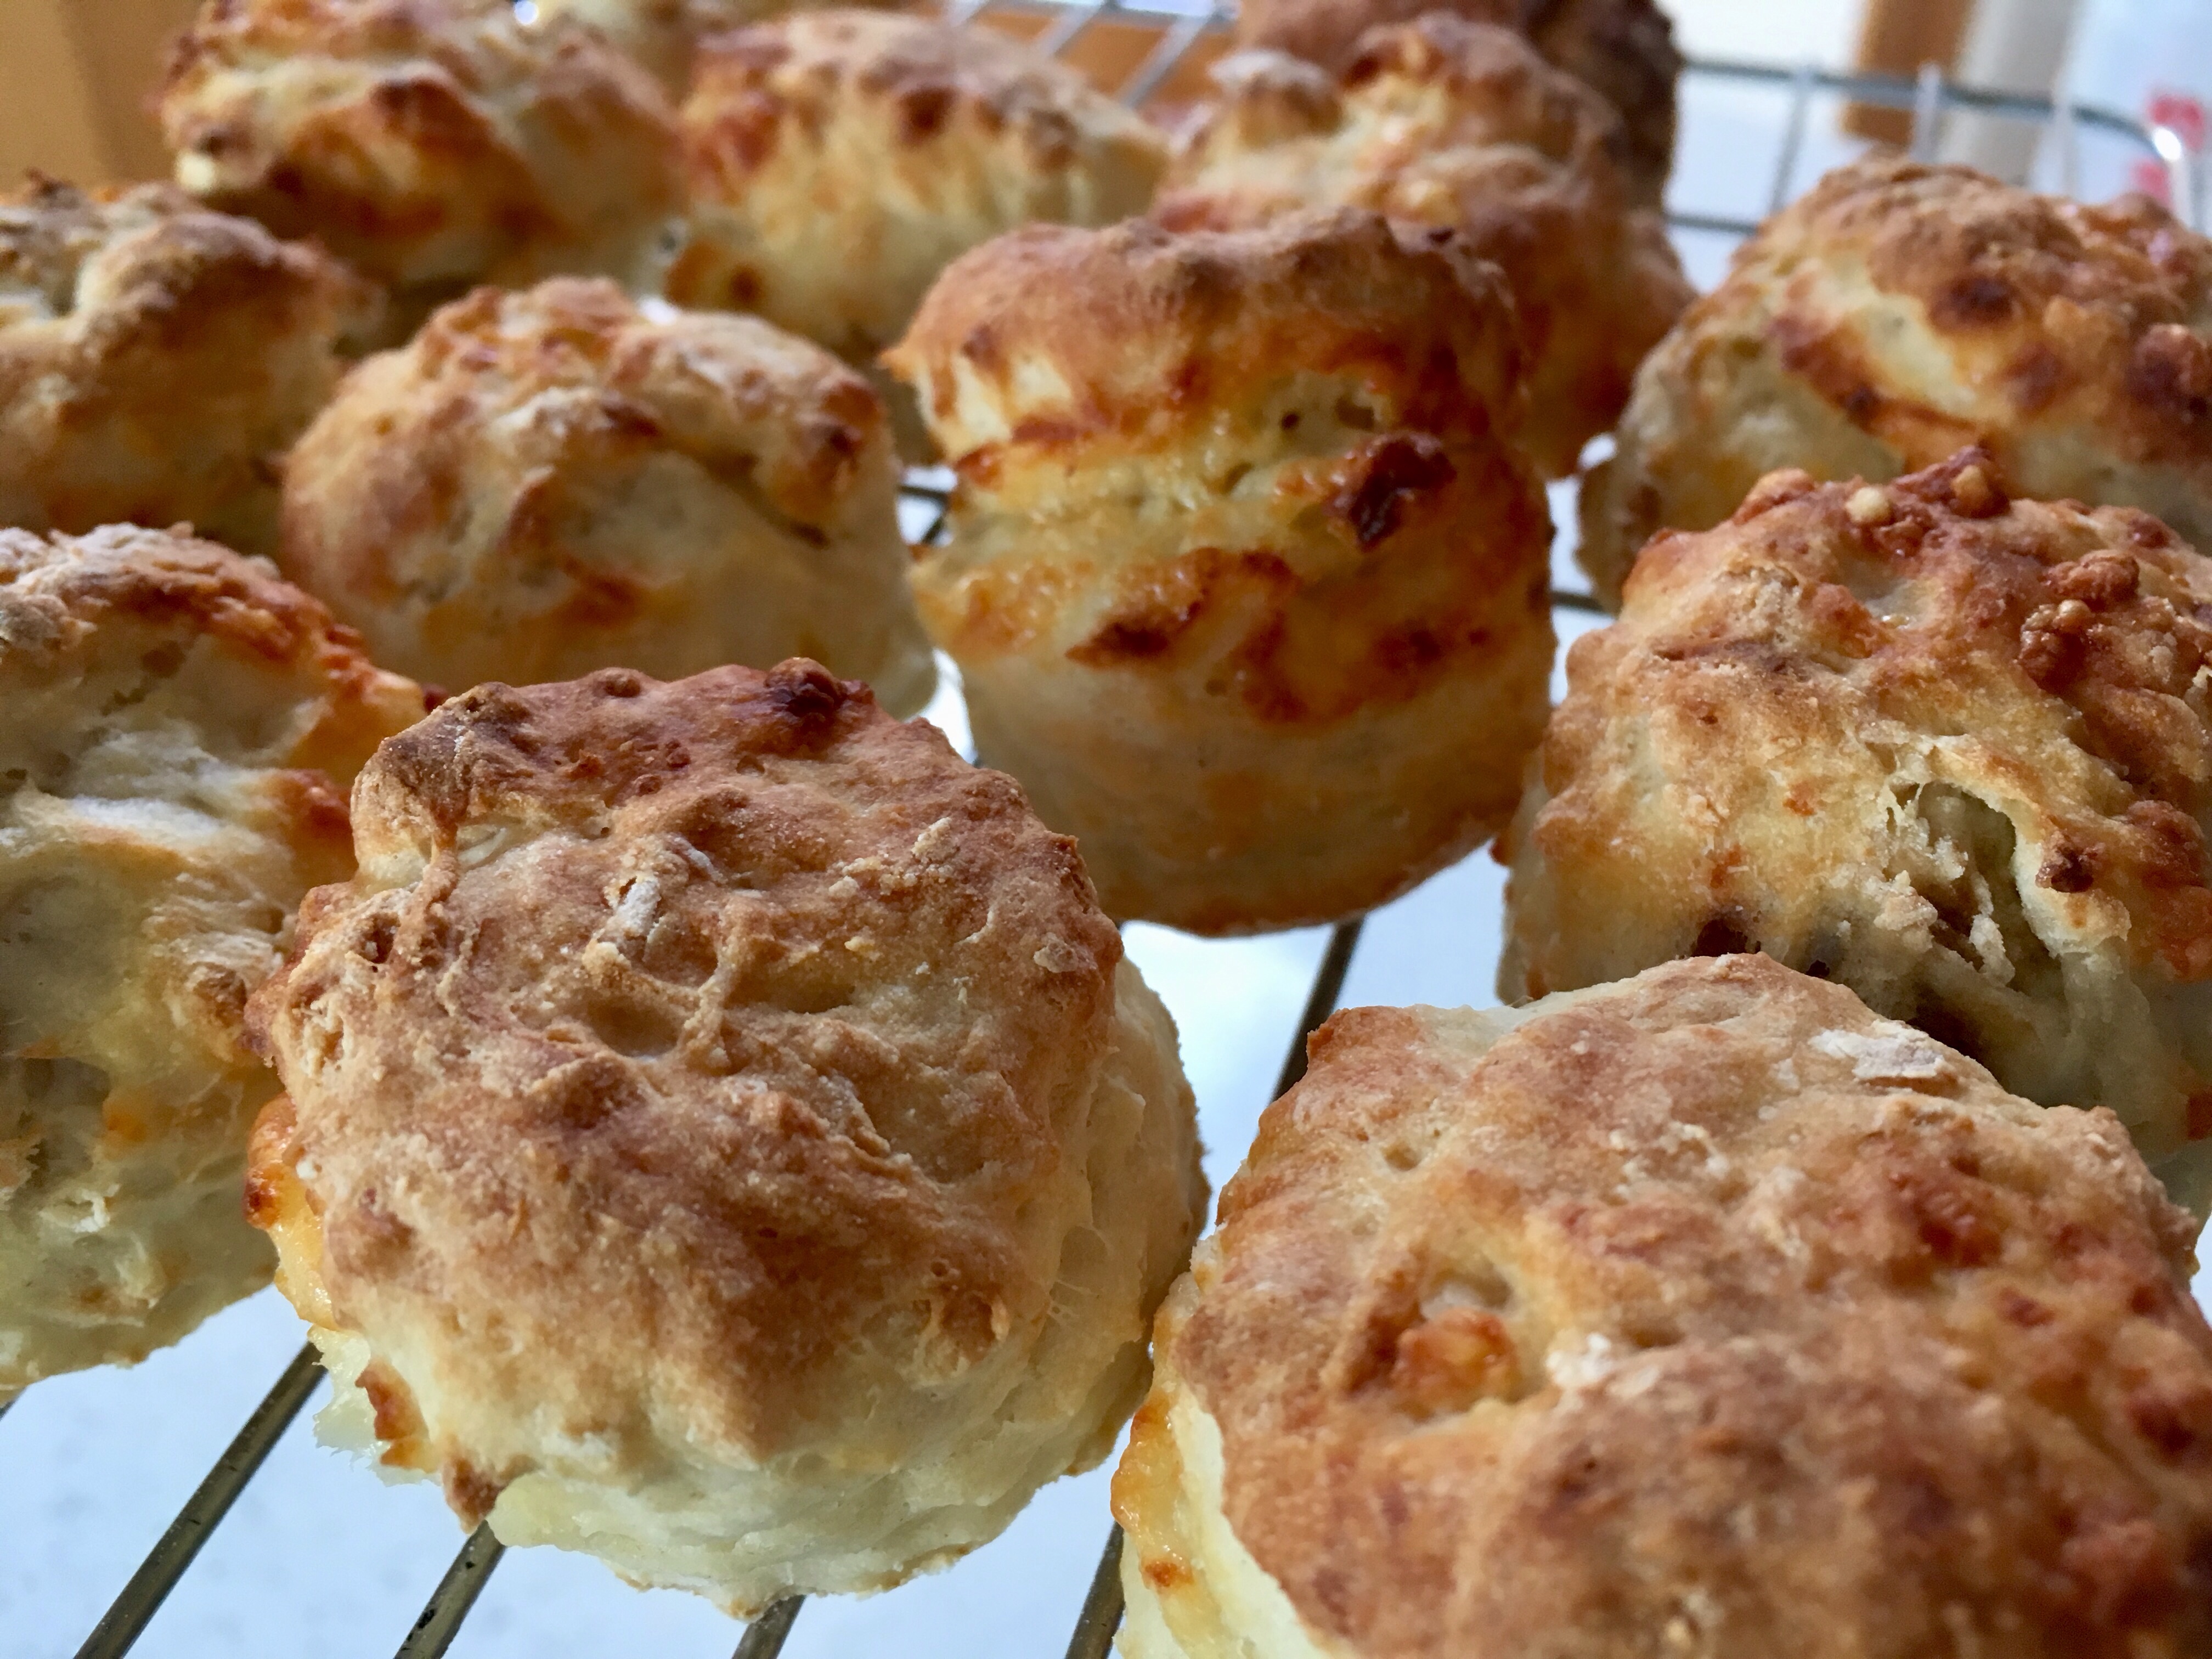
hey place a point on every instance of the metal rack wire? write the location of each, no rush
(1174, 31)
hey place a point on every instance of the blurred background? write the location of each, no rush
(319, 1557)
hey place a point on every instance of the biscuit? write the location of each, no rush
(1623, 50)
(1705, 1313)
(1444, 122)
(1246, 579)
(156, 360)
(177, 730)
(837, 160)
(1900, 311)
(545, 483)
(432, 144)
(1949, 749)
(723, 1133)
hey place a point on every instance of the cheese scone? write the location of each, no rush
(1898, 311)
(1705, 1314)
(156, 360)
(723, 1133)
(837, 160)
(1246, 574)
(665, 34)
(1622, 50)
(1444, 122)
(431, 144)
(544, 483)
(178, 732)
(1951, 750)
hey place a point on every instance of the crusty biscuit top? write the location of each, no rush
(837, 160)
(424, 141)
(156, 359)
(1623, 49)
(476, 48)
(73, 609)
(1440, 121)
(1413, 89)
(690, 1053)
(923, 79)
(2092, 318)
(53, 237)
(467, 38)
(2069, 651)
(1703, 1314)
(1051, 338)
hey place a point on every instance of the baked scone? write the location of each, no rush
(837, 160)
(1246, 577)
(157, 359)
(1951, 750)
(1706, 1315)
(432, 144)
(1898, 311)
(1444, 122)
(177, 730)
(544, 483)
(663, 34)
(1623, 50)
(723, 1132)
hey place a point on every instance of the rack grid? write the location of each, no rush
(1170, 35)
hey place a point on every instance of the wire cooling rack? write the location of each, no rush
(1148, 50)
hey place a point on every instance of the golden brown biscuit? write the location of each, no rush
(178, 729)
(1951, 750)
(156, 360)
(546, 483)
(839, 160)
(724, 1134)
(664, 35)
(1705, 1314)
(1898, 311)
(1445, 122)
(1245, 578)
(431, 143)
(661, 34)
(1623, 50)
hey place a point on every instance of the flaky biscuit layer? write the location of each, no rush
(1952, 749)
(1704, 1312)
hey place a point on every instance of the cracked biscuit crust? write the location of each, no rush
(544, 483)
(177, 730)
(1948, 749)
(721, 1135)
(157, 359)
(1898, 311)
(1246, 579)
(1704, 1313)
(1444, 122)
(429, 143)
